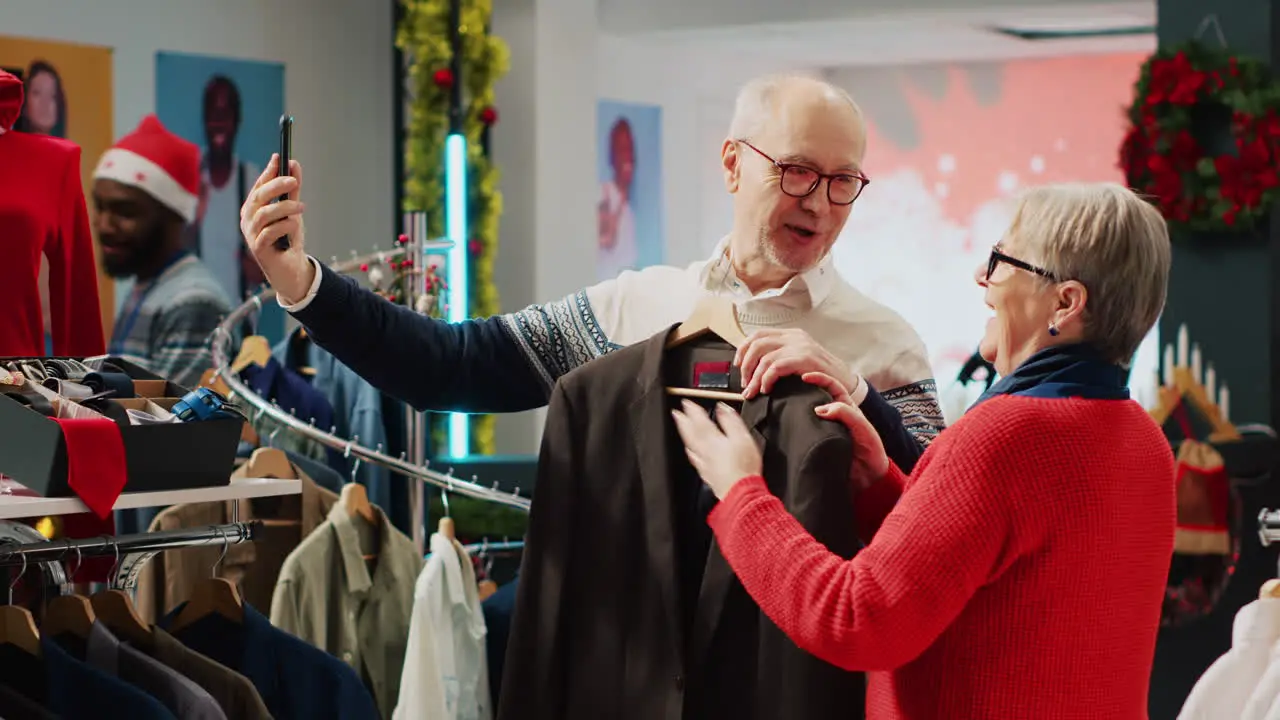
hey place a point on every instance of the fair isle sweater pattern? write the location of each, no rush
(558, 336)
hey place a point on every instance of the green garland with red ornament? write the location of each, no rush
(424, 35)
(1181, 92)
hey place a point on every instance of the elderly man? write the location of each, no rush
(793, 163)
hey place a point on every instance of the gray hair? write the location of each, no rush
(755, 105)
(1113, 242)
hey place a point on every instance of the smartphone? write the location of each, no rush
(286, 152)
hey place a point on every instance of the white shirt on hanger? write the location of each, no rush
(446, 671)
(1262, 704)
(1225, 688)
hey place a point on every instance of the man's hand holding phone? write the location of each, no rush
(265, 218)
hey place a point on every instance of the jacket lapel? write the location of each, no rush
(718, 577)
(650, 428)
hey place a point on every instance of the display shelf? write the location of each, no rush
(22, 505)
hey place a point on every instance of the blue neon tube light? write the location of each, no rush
(455, 193)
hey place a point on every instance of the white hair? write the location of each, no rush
(1113, 242)
(755, 105)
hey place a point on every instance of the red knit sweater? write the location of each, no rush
(1019, 576)
(43, 214)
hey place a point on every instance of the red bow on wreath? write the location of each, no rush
(1163, 159)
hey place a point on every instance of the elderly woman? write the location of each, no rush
(1020, 573)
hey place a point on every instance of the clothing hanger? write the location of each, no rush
(253, 351)
(714, 314)
(486, 587)
(1270, 589)
(71, 614)
(17, 626)
(269, 462)
(115, 609)
(446, 526)
(356, 499)
(212, 596)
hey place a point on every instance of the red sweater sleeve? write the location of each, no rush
(74, 309)
(874, 503)
(948, 535)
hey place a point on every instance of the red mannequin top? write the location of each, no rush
(42, 212)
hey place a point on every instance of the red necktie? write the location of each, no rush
(95, 462)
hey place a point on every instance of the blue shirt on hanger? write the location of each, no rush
(79, 690)
(297, 681)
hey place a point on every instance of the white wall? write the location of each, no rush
(545, 148)
(338, 83)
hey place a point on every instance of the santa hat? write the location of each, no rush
(157, 162)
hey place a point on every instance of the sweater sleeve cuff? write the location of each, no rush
(746, 490)
(859, 392)
(311, 293)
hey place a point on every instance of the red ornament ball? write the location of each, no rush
(489, 116)
(443, 78)
(402, 239)
(364, 267)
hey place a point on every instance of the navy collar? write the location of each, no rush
(1064, 371)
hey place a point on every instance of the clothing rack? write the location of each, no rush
(421, 470)
(131, 551)
(12, 553)
(481, 548)
(1268, 527)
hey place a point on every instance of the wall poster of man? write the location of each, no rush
(67, 90)
(629, 167)
(231, 108)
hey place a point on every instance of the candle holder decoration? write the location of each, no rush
(1184, 383)
(1207, 541)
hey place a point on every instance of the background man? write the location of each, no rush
(144, 193)
(792, 161)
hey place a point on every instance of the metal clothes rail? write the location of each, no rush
(131, 552)
(12, 553)
(1268, 527)
(222, 355)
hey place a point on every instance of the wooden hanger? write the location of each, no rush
(253, 351)
(1270, 589)
(115, 609)
(355, 499)
(211, 596)
(68, 614)
(269, 462)
(18, 628)
(714, 314)
(1186, 389)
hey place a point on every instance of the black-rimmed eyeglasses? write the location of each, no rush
(998, 257)
(801, 180)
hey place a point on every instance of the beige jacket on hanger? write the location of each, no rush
(166, 580)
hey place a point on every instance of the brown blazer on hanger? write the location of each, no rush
(167, 579)
(606, 624)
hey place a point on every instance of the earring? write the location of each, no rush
(1053, 329)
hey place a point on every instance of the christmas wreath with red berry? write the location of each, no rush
(1204, 138)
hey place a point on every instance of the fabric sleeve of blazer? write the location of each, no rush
(538, 640)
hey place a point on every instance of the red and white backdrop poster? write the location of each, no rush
(949, 146)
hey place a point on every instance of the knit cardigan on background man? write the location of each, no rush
(509, 363)
(1020, 575)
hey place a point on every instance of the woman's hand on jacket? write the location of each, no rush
(870, 463)
(721, 450)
